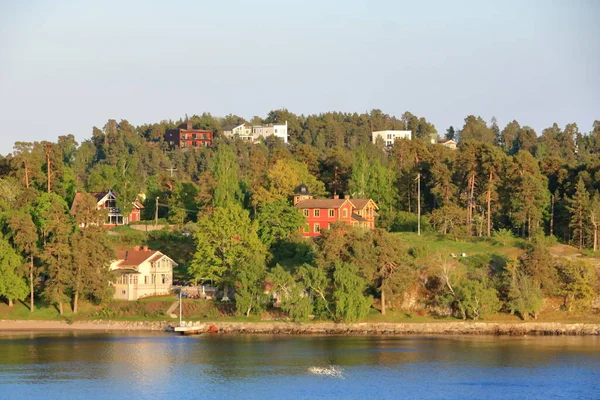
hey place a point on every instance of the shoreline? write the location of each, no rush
(318, 328)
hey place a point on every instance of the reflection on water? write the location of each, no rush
(141, 365)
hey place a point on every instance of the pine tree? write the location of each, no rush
(25, 238)
(579, 207)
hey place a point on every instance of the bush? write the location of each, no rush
(503, 237)
(408, 222)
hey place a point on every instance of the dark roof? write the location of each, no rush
(358, 218)
(321, 203)
(302, 190)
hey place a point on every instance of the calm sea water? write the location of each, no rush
(165, 366)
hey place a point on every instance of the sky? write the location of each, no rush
(70, 65)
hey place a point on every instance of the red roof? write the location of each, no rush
(135, 257)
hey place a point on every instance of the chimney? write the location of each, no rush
(136, 248)
(336, 197)
(190, 125)
(144, 248)
(347, 196)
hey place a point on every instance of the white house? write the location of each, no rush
(389, 137)
(277, 130)
(243, 131)
(141, 272)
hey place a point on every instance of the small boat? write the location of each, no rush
(328, 371)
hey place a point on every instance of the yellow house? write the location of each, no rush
(142, 272)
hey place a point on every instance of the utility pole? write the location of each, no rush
(419, 205)
(156, 213)
(171, 170)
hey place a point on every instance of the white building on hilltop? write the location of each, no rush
(389, 137)
(255, 132)
(277, 130)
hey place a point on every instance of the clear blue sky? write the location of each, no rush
(66, 66)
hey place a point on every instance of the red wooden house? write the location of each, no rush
(108, 201)
(185, 137)
(323, 213)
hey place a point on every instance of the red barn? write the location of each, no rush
(185, 137)
(323, 213)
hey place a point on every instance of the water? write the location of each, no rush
(166, 366)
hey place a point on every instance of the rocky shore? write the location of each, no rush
(320, 328)
(424, 328)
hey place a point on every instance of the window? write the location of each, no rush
(329, 225)
(123, 292)
(317, 228)
(145, 279)
(305, 213)
(153, 279)
(345, 213)
(193, 136)
(204, 136)
(331, 213)
(317, 213)
(163, 278)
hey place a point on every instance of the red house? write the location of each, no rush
(185, 137)
(108, 201)
(323, 213)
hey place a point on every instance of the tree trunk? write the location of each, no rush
(60, 308)
(552, 216)
(489, 206)
(580, 232)
(76, 301)
(49, 171)
(26, 176)
(382, 301)
(10, 303)
(31, 303)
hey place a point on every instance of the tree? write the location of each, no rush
(277, 220)
(595, 220)
(524, 294)
(90, 274)
(475, 128)
(225, 171)
(450, 134)
(293, 294)
(58, 259)
(579, 206)
(12, 285)
(227, 242)
(348, 294)
(577, 280)
(86, 211)
(529, 193)
(392, 273)
(25, 238)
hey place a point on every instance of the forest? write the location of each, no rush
(501, 185)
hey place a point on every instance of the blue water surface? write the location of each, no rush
(166, 366)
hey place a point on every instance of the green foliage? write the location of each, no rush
(277, 221)
(525, 296)
(475, 300)
(12, 284)
(578, 284)
(503, 237)
(350, 302)
(225, 170)
(293, 294)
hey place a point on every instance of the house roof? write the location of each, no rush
(358, 218)
(359, 204)
(133, 258)
(321, 203)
